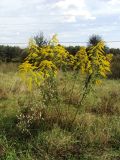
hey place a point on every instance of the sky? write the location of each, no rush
(74, 21)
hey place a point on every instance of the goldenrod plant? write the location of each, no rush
(45, 62)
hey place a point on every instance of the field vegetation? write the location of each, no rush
(60, 110)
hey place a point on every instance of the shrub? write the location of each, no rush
(31, 115)
(108, 104)
(115, 67)
(43, 63)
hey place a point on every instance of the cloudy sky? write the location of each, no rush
(72, 20)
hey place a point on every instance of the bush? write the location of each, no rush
(115, 67)
(12, 54)
(31, 115)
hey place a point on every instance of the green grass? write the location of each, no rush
(94, 135)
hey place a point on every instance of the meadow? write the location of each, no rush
(31, 130)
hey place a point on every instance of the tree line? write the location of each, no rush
(17, 54)
(12, 54)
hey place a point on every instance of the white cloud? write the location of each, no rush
(72, 19)
(114, 2)
(105, 7)
(69, 18)
(76, 8)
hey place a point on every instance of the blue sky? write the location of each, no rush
(72, 20)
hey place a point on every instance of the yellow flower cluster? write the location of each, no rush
(29, 74)
(93, 60)
(100, 61)
(42, 62)
(82, 61)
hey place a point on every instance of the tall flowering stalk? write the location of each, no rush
(46, 61)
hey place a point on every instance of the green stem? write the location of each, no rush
(86, 91)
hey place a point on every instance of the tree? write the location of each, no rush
(94, 40)
(115, 51)
(72, 49)
(40, 40)
(10, 54)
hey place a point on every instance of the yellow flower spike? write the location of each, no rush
(45, 61)
(98, 82)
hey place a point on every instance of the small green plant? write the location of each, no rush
(29, 118)
(30, 115)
